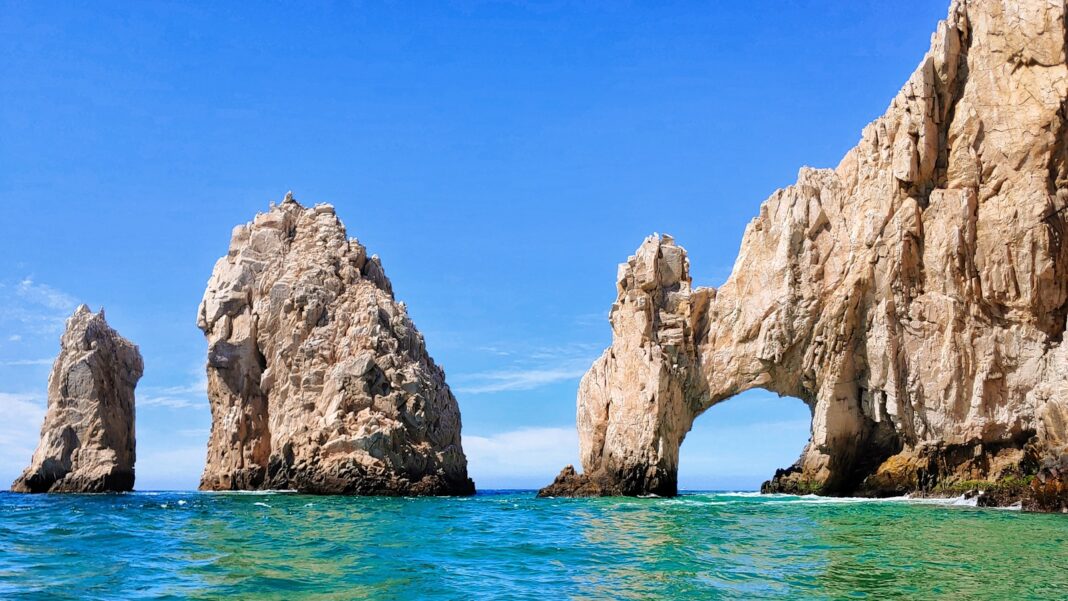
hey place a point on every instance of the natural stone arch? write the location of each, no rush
(915, 296)
(663, 370)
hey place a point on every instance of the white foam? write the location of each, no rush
(960, 501)
(271, 491)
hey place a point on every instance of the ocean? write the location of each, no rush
(511, 545)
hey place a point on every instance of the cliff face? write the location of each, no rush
(318, 380)
(87, 440)
(914, 297)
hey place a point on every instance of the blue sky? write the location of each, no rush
(501, 158)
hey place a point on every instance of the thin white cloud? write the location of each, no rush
(514, 379)
(529, 369)
(34, 308)
(575, 352)
(592, 319)
(24, 362)
(184, 396)
(195, 432)
(166, 401)
(172, 468)
(20, 427)
(45, 295)
(526, 458)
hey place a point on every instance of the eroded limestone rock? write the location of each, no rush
(915, 297)
(87, 440)
(317, 378)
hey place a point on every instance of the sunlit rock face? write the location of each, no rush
(914, 297)
(87, 440)
(318, 380)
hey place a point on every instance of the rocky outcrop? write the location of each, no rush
(87, 440)
(915, 296)
(318, 380)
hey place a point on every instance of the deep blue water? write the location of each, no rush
(510, 545)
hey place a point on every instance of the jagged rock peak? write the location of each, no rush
(318, 381)
(915, 297)
(87, 440)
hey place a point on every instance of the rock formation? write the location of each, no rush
(87, 440)
(317, 379)
(915, 296)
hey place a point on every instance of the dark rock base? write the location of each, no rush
(637, 483)
(996, 475)
(353, 482)
(43, 482)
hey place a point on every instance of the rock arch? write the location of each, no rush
(915, 296)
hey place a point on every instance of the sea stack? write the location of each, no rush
(87, 440)
(318, 380)
(914, 297)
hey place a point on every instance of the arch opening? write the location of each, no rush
(739, 443)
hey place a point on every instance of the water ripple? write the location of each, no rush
(513, 546)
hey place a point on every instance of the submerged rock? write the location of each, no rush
(318, 380)
(87, 440)
(915, 297)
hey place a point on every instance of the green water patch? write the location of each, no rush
(510, 545)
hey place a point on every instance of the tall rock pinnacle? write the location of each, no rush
(318, 380)
(915, 297)
(87, 440)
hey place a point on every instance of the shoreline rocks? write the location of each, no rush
(915, 297)
(318, 381)
(87, 441)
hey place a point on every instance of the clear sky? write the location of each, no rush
(501, 158)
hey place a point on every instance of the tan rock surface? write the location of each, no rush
(87, 440)
(915, 297)
(317, 378)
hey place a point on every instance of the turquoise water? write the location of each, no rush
(510, 545)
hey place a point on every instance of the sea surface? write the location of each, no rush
(510, 545)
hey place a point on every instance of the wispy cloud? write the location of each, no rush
(31, 307)
(575, 351)
(45, 295)
(524, 458)
(23, 362)
(529, 369)
(170, 468)
(592, 319)
(184, 396)
(19, 429)
(514, 379)
(168, 402)
(195, 432)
